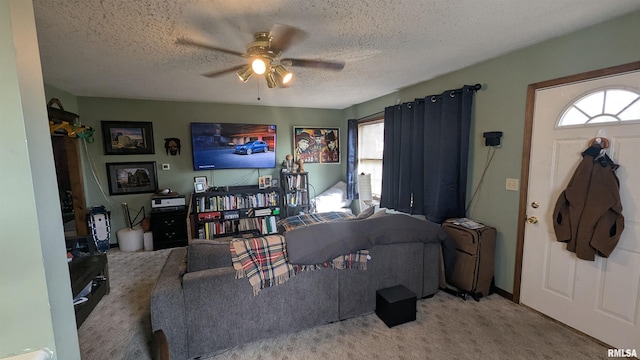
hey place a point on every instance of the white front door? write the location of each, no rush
(600, 298)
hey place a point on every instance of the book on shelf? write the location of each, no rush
(263, 212)
(264, 225)
(295, 181)
(233, 202)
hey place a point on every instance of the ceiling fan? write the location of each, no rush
(264, 56)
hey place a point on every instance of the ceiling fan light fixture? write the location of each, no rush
(285, 75)
(259, 66)
(244, 74)
(271, 81)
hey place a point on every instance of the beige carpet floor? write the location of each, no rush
(447, 327)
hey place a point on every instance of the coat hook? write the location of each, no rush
(600, 139)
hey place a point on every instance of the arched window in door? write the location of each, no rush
(603, 106)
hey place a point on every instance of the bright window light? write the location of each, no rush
(603, 106)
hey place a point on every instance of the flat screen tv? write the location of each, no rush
(233, 146)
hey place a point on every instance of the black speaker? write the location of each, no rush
(492, 138)
(396, 305)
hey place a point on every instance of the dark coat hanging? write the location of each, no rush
(588, 213)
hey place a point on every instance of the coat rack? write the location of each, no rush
(61, 121)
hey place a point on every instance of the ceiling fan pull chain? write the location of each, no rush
(258, 87)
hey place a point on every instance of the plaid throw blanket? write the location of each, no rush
(263, 260)
(357, 260)
(293, 222)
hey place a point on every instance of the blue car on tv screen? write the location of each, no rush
(252, 147)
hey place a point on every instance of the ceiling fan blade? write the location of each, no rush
(185, 41)
(223, 72)
(283, 36)
(317, 64)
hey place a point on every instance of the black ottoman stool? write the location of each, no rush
(396, 305)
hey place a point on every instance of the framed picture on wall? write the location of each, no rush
(264, 181)
(200, 180)
(199, 187)
(127, 137)
(316, 144)
(132, 177)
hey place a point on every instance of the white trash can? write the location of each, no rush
(130, 239)
(148, 240)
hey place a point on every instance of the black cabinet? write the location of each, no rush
(169, 228)
(296, 192)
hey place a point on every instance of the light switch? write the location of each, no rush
(512, 184)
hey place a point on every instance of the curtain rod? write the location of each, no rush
(368, 117)
(475, 87)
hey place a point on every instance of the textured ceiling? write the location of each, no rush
(126, 49)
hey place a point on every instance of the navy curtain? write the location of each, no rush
(352, 157)
(426, 151)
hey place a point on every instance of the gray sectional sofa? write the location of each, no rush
(202, 308)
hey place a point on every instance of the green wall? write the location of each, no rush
(35, 293)
(500, 105)
(172, 119)
(69, 102)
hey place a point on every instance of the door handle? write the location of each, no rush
(532, 220)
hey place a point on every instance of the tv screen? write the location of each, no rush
(233, 146)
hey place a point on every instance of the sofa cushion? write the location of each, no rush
(207, 254)
(296, 221)
(323, 242)
(366, 212)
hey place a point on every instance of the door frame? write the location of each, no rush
(70, 162)
(72, 147)
(526, 152)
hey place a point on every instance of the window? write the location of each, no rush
(370, 148)
(603, 106)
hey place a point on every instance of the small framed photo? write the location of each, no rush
(200, 180)
(274, 183)
(132, 177)
(127, 137)
(199, 187)
(264, 182)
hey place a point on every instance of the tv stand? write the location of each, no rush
(83, 270)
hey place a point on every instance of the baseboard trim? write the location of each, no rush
(504, 293)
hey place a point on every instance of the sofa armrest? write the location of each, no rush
(207, 254)
(167, 303)
(222, 312)
(211, 296)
